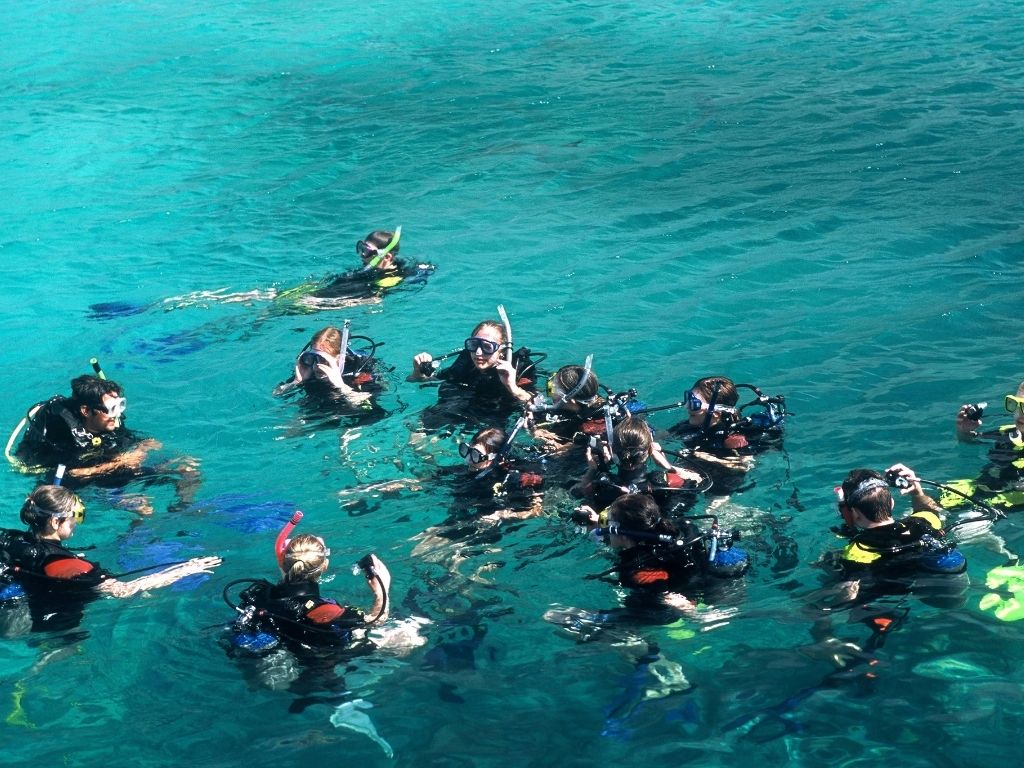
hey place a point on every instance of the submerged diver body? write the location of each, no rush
(486, 382)
(1001, 481)
(293, 614)
(85, 433)
(491, 487)
(338, 384)
(382, 271)
(719, 439)
(623, 469)
(56, 582)
(886, 556)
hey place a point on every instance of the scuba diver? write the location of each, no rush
(719, 438)
(886, 556)
(1001, 482)
(487, 378)
(493, 485)
(621, 468)
(330, 379)
(86, 433)
(292, 612)
(382, 270)
(575, 412)
(57, 582)
(656, 556)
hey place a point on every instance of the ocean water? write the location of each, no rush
(824, 201)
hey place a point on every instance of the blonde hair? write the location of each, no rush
(327, 340)
(305, 559)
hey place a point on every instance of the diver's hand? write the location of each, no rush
(332, 373)
(508, 375)
(421, 363)
(133, 459)
(968, 421)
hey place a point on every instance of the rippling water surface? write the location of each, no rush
(824, 201)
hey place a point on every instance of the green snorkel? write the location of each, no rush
(387, 250)
(96, 367)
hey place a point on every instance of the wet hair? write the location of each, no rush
(380, 238)
(494, 325)
(45, 502)
(867, 491)
(492, 438)
(633, 438)
(727, 394)
(327, 340)
(568, 377)
(639, 512)
(89, 391)
(305, 559)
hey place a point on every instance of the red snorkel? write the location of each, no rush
(281, 542)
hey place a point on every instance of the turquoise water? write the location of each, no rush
(823, 201)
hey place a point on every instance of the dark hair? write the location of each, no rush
(492, 438)
(867, 491)
(639, 512)
(89, 391)
(727, 394)
(568, 378)
(45, 502)
(380, 239)
(633, 437)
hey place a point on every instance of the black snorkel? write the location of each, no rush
(506, 447)
(366, 565)
(990, 513)
(712, 403)
(429, 368)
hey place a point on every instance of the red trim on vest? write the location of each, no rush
(672, 480)
(736, 441)
(67, 568)
(649, 577)
(325, 614)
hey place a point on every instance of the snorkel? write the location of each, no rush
(505, 447)
(281, 542)
(96, 367)
(567, 396)
(711, 406)
(382, 254)
(345, 335)
(508, 333)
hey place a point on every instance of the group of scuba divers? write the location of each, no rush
(524, 431)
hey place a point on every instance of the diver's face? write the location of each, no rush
(477, 459)
(483, 359)
(100, 420)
